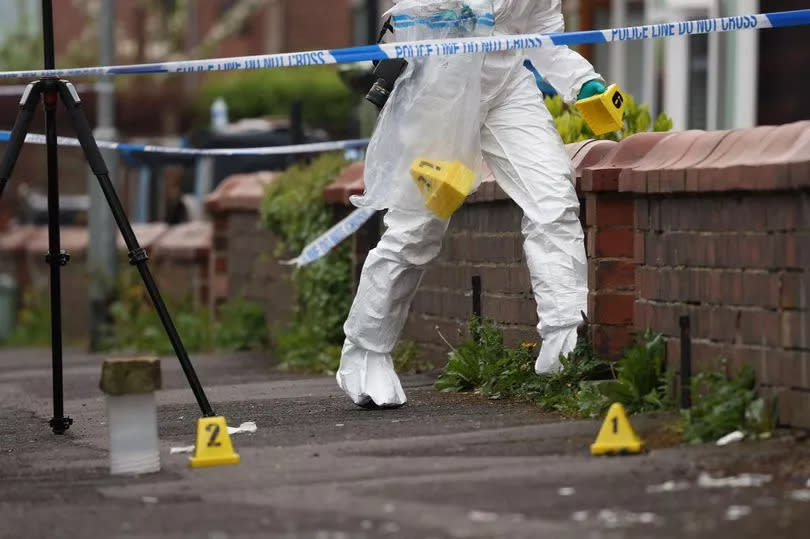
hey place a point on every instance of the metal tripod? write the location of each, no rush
(51, 90)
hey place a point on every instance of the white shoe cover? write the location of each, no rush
(560, 342)
(368, 377)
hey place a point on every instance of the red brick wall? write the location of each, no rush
(315, 24)
(484, 239)
(722, 232)
(714, 225)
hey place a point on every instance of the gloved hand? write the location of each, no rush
(591, 88)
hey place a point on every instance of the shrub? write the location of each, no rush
(294, 209)
(135, 326)
(242, 325)
(327, 103)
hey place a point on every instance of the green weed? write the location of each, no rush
(584, 387)
(33, 321)
(408, 359)
(722, 405)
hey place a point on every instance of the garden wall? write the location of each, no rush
(723, 235)
(714, 225)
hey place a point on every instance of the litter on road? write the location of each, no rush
(738, 481)
(736, 512)
(731, 437)
(668, 486)
(246, 427)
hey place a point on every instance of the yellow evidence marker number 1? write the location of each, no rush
(214, 447)
(617, 435)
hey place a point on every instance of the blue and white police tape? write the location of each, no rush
(333, 237)
(448, 47)
(312, 252)
(315, 147)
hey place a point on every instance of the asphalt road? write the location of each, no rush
(318, 467)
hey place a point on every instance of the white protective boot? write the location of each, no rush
(557, 343)
(368, 378)
(391, 275)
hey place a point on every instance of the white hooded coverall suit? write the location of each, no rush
(523, 150)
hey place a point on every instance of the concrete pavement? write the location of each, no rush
(445, 466)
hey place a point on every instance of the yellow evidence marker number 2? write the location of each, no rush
(617, 435)
(214, 447)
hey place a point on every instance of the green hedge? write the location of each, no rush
(294, 209)
(327, 103)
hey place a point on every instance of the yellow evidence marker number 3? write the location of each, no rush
(214, 447)
(617, 435)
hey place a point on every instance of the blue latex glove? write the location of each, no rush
(591, 88)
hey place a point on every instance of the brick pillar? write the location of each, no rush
(181, 262)
(218, 280)
(243, 260)
(609, 218)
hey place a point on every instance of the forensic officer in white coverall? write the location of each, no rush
(521, 146)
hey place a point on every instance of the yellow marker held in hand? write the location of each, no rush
(444, 184)
(604, 113)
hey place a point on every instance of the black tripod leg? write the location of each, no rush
(28, 105)
(137, 255)
(56, 257)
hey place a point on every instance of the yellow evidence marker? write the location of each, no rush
(617, 436)
(444, 185)
(604, 113)
(214, 447)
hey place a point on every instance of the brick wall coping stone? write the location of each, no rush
(73, 240)
(347, 185)
(188, 241)
(34, 239)
(590, 153)
(703, 145)
(147, 233)
(16, 239)
(604, 175)
(766, 158)
(583, 154)
(240, 192)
